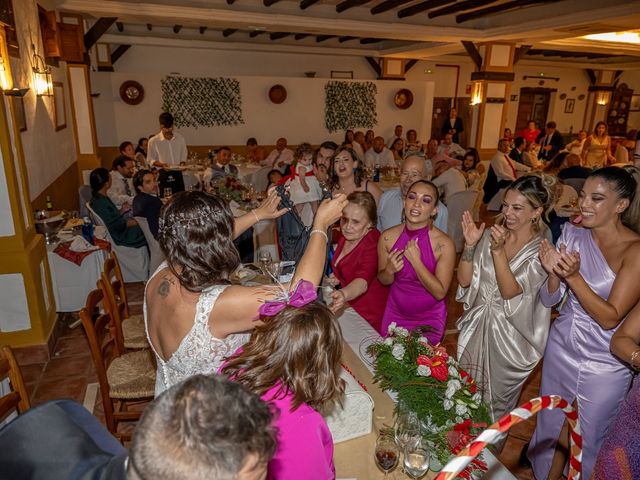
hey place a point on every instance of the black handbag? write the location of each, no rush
(293, 234)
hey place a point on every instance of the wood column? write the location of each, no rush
(599, 96)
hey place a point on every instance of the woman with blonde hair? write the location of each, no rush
(504, 327)
(596, 152)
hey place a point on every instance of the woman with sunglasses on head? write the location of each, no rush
(416, 260)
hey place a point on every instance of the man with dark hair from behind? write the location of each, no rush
(206, 427)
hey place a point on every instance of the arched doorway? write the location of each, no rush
(533, 105)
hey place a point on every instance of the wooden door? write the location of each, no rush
(441, 107)
(533, 105)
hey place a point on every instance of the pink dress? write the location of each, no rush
(409, 303)
(305, 445)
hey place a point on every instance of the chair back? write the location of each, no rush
(457, 204)
(95, 218)
(84, 192)
(112, 274)
(157, 257)
(114, 309)
(103, 348)
(18, 398)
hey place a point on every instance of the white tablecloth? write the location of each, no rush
(72, 283)
(359, 335)
(254, 175)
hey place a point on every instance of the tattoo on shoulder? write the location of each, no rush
(165, 286)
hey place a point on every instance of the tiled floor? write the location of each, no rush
(71, 369)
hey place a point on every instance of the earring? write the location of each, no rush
(535, 219)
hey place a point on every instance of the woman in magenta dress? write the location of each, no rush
(355, 262)
(597, 268)
(417, 260)
(281, 362)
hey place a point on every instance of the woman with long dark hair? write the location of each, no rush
(348, 176)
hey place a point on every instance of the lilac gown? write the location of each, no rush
(409, 303)
(577, 362)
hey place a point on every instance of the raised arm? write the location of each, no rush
(506, 280)
(472, 236)
(267, 210)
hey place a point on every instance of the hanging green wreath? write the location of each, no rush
(202, 102)
(349, 105)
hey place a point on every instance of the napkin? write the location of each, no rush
(79, 244)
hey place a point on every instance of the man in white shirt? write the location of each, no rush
(281, 157)
(358, 144)
(167, 148)
(449, 180)
(503, 166)
(379, 155)
(449, 148)
(392, 200)
(122, 192)
(397, 133)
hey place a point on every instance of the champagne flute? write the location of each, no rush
(387, 453)
(416, 457)
(264, 258)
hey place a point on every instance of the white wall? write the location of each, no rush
(47, 153)
(300, 118)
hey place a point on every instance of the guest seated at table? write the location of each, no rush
(550, 142)
(368, 140)
(531, 133)
(124, 231)
(121, 191)
(450, 149)
(530, 155)
(397, 134)
(355, 262)
(391, 207)
(127, 151)
(146, 202)
(519, 144)
(167, 148)
(358, 145)
(417, 260)
(293, 362)
(220, 167)
(397, 149)
(433, 156)
(504, 327)
(505, 171)
(593, 275)
(448, 180)
(379, 155)
(349, 137)
(472, 169)
(348, 176)
(508, 135)
(412, 144)
(193, 317)
(322, 161)
(274, 177)
(281, 157)
(141, 153)
(577, 145)
(255, 153)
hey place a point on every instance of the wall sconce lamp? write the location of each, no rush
(41, 76)
(603, 98)
(5, 82)
(476, 93)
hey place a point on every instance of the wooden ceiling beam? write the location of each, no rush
(304, 4)
(118, 52)
(347, 4)
(278, 35)
(97, 30)
(227, 32)
(409, 65)
(592, 76)
(388, 5)
(177, 28)
(368, 41)
(120, 26)
(500, 8)
(520, 52)
(346, 39)
(422, 7)
(268, 3)
(255, 33)
(375, 65)
(230, 2)
(322, 38)
(149, 27)
(459, 7)
(300, 36)
(473, 52)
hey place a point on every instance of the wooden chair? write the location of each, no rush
(125, 379)
(131, 332)
(18, 398)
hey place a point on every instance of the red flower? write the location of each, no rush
(423, 360)
(439, 369)
(473, 389)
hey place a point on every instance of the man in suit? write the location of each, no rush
(204, 427)
(220, 167)
(550, 142)
(146, 202)
(453, 125)
(518, 148)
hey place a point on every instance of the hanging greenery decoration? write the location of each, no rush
(202, 102)
(349, 105)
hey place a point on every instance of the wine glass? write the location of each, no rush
(275, 270)
(407, 427)
(264, 258)
(416, 457)
(387, 453)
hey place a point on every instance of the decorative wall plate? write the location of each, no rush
(131, 92)
(277, 94)
(403, 98)
(563, 96)
(581, 96)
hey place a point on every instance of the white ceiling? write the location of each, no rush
(548, 27)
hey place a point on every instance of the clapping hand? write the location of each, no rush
(472, 234)
(499, 236)
(394, 262)
(549, 256)
(412, 252)
(568, 265)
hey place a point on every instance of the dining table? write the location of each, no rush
(354, 459)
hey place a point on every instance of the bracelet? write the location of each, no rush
(255, 215)
(326, 237)
(633, 359)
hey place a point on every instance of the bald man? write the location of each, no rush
(379, 155)
(281, 157)
(392, 201)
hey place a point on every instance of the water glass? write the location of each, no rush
(416, 457)
(406, 428)
(387, 453)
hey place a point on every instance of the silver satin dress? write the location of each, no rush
(501, 341)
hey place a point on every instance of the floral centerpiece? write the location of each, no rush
(230, 188)
(433, 385)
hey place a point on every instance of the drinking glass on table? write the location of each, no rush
(406, 428)
(387, 453)
(416, 457)
(264, 258)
